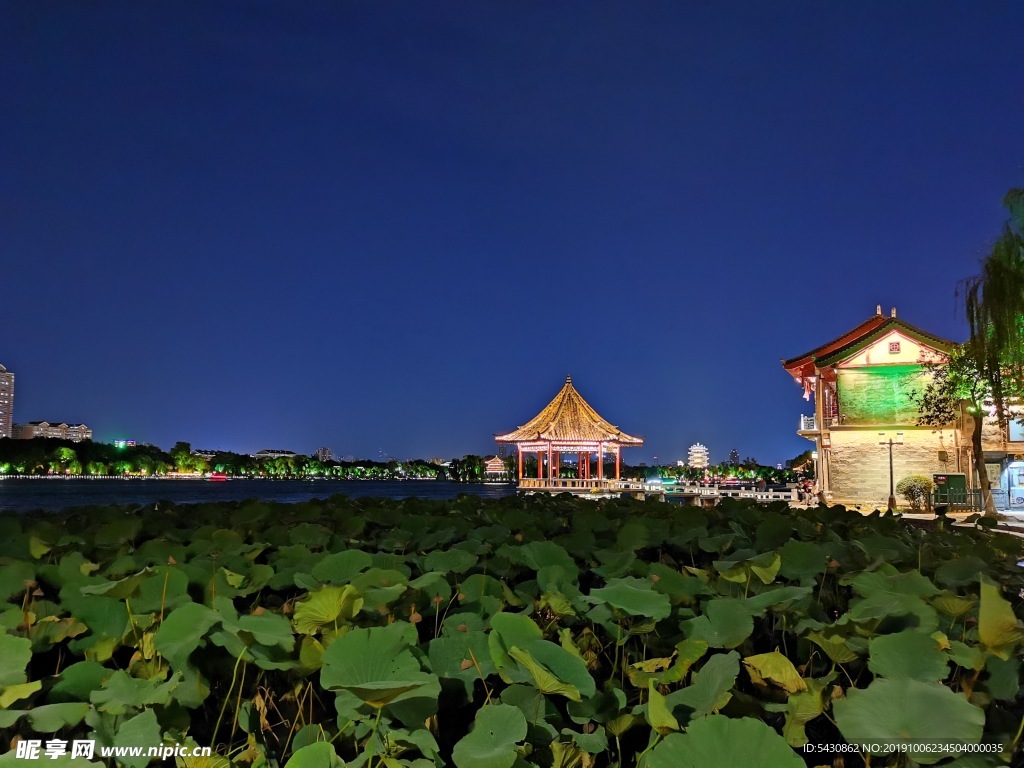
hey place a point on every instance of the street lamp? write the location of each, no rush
(890, 442)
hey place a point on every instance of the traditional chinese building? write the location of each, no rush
(862, 385)
(571, 443)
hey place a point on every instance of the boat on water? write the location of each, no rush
(217, 477)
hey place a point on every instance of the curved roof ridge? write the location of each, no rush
(568, 417)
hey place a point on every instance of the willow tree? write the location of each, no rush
(995, 311)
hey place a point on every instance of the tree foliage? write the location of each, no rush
(995, 310)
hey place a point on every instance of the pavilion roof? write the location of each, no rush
(569, 418)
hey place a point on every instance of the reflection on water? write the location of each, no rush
(51, 495)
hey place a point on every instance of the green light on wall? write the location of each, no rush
(880, 395)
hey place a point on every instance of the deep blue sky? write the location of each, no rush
(398, 226)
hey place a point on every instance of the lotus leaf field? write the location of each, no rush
(527, 631)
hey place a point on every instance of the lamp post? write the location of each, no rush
(890, 442)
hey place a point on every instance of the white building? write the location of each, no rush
(76, 433)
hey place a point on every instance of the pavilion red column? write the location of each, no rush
(600, 461)
(540, 465)
(519, 450)
(618, 465)
(550, 467)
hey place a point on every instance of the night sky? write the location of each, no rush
(396, 227)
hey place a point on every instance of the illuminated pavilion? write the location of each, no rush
(568, 425)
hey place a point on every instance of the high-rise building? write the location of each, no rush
(6, 402)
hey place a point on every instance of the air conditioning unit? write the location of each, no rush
(943, 456)
(1017, 496)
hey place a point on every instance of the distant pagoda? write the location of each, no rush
(568, 425)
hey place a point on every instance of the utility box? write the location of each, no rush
(950, 488)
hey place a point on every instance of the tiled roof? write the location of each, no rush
(568, 418)
(841, 353)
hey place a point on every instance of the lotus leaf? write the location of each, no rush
(834, 646)
(725, 623)
(1003, 680)
(722, 742)
(802, 561)
(908, 711)
(326, 607)
(15, 654)
(376, 664)
(658, 714)
(998, 628)
(143, 730)
(776, 669)
(633, 596)
(9, 694)
(497, 730)
(14, 575)
(78, 681)
(449, 561)
(907, 655)
(182, 632)
(710, 688)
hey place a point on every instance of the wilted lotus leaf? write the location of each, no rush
(998, 628)
(776, 669)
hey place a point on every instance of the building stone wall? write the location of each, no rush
(859, 466)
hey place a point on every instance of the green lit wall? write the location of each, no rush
(880, 395)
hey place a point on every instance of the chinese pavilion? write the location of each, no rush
(864, 386)
(569, 426)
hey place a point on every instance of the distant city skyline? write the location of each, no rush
(248, 225)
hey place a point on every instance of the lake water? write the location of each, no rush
(55, 494)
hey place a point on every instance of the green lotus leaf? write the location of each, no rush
(319, 754)
(967, 656)
(801, 708)
(998, 628)
(725, 623)
(1003, 681)
(960, 571)
(326, 607)
(765, 566)
(182, 632)
(78, 680)
(143, 731)
(908, 711)
(13, 577)
(774, 668)
(50, 718)
(341, 567)
(376, 664)
(775, 597)
(633, 596)
(121, 588)
(907, 655)
(121, 693)
(15, 654)
(723, 742)
(491, 743)
(802, 561)
(270, 629)
(115, 533)
(710, 688)
(952, 604)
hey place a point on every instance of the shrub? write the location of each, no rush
(915, 489)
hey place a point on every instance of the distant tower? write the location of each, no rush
(324, 454)
(734, 457)
(698, 456)
(6, 402)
